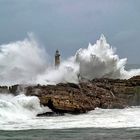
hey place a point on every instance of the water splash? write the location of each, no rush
(20, 107)
(23, 62)
(99, 60)
(98, 118)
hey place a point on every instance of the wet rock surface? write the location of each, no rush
(85, 96)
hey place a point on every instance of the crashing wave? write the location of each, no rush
(24, 62)
(20, 107)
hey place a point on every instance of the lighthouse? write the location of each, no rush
(57, 59)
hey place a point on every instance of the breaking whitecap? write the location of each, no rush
(24, 62)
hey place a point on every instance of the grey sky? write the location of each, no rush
(71, 24)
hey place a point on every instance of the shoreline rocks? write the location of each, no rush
(85, 96)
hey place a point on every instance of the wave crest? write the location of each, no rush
(23, 62)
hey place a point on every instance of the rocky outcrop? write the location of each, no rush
(85, 96)
(71, 98)
(129, 90)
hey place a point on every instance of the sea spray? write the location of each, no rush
(25, 62)
(20, 107)
(11, 118)
(96, 61)
(67, 72)
(99, 60)
(21, 62)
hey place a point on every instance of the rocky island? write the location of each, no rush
(85, 96)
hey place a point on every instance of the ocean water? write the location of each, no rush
(24, 62)
(73, 134)
(18, 121)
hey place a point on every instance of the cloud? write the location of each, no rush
(69, 25)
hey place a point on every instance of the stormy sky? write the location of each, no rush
(71, 24)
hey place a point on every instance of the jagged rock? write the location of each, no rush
(49, 114)
(4, 89)
(85, 96)
(66, 98)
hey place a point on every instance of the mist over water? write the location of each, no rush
(21, 62)
(25, 62)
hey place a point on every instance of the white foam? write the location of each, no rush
(99, 118)
(96, 61)
(21, 107)
(99, 60)
(66, 72)
(25, 62)
(21, 62)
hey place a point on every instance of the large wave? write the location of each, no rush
(96, 61)
(25, 62)
(21, 62)
(19, 113)
(100, 61)
(20, 107)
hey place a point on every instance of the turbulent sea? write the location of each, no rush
(18, 121)
(22, 62)
(73, 134)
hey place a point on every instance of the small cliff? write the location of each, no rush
(85, 96)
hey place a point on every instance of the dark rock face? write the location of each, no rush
(71, 98)
(85, 96)
(129, 90)
(49, 114)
